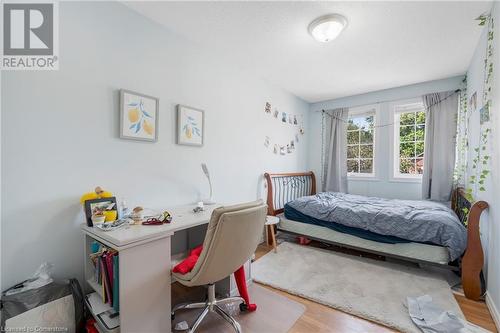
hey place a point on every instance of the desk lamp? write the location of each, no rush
(205, 171)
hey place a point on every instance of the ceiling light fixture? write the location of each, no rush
(326, 28)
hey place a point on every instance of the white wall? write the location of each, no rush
(490, 229)
(475, 83)
(383, 186)
(60, 128)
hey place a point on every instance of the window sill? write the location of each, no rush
(363, 178)
(406, 180)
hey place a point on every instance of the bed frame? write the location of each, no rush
(284, 187)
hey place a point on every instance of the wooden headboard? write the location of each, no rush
(285, 187)
(460, 205)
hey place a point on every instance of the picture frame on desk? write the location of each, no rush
(91, 205)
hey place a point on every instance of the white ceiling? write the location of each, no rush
(386, 44)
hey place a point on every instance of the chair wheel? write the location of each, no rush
(172, 315)
(243, 307)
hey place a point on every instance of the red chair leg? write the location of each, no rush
(241, 282)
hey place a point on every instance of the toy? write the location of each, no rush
(137, 214)
(97, 194)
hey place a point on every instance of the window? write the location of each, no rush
(360, 144)
(409, 131)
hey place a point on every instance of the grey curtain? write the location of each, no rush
(439, 153)
(336, 150)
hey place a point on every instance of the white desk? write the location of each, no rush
(144, 268)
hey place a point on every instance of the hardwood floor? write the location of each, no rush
(321, 318)
(476, 312)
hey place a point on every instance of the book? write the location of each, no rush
(106, 279)
(108, 259)
(116, 283)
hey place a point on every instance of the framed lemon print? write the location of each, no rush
(138, 116)
(190, 126)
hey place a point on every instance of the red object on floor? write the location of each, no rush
(89, 326)
(188, 264)
(303, 240)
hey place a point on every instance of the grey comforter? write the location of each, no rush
(417, 221)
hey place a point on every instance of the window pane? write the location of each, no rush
(361, 122)
(406, 165)
(366, 137)
(407, 149)
(353, 137)
(420, 132)
(366, 166)
(420, 118)
(411, 141)
(407, 118)
(353, 151)
(351, 125)
(419, 149)
(420, 165)
(360, 137)
(366, 151)
(352, 166)
(407, 133)
(371, 121)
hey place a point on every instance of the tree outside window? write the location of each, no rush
(411, 142)
(360, 139)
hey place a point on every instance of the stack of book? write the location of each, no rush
(106, 275)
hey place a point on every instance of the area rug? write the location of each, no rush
(275, 314)
(371, 289)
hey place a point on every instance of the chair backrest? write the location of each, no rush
(232, 236)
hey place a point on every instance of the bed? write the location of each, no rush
(454, 244)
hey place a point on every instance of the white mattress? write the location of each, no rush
(430, 253)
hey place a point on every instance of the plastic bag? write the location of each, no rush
(55, 307)
(39, 279)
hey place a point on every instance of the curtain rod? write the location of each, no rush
(378, 102)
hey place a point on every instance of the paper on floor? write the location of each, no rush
(430, 318)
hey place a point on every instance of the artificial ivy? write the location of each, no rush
(462, 138)
(480, 163)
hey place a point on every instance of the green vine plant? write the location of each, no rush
(483, 19)
(481, 161)
(461, 138)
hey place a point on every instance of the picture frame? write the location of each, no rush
(190, 126)
(90, 205)
(484, 114)
(139, 115)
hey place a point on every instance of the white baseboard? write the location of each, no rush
(493, 310)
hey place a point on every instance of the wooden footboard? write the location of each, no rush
(284, 187)
(473, 258)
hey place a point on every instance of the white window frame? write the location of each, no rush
(360, 111)
(397, 108)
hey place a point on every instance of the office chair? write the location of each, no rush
(232, 236)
